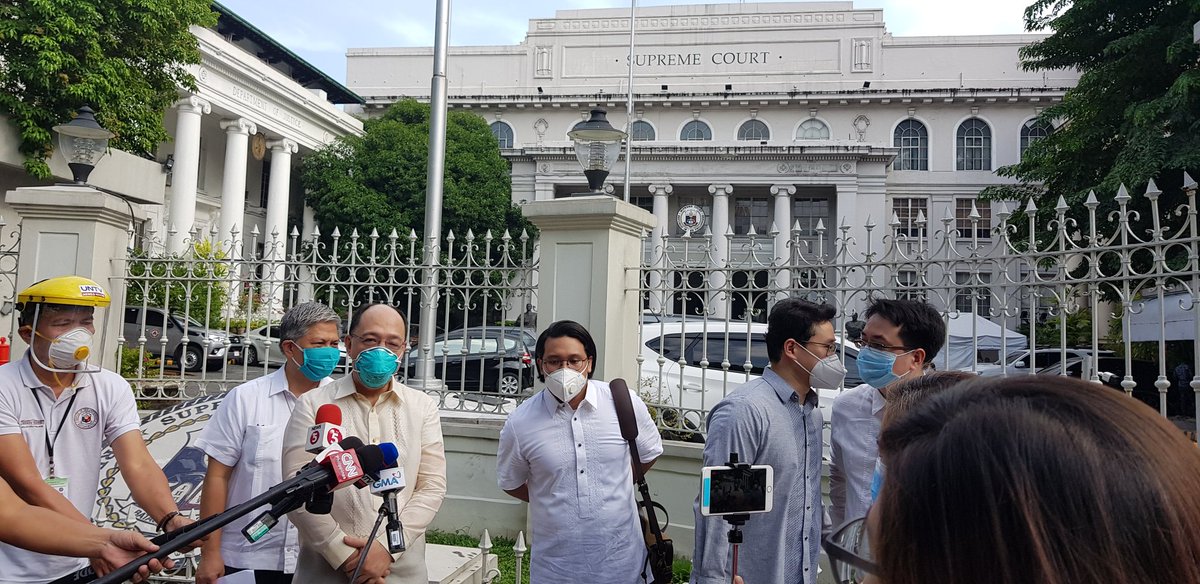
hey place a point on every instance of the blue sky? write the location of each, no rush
(320, 31)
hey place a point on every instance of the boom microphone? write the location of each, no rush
(318, 477)
(326, 430)
(319, 503)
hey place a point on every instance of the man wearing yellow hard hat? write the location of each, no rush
(57, 412)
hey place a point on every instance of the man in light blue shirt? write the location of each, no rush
(899, 342)
(774, 420)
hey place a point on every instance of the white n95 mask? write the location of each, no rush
(565, 384)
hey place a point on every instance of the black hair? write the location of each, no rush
(564, 328)
(793, 318)
(27, 310)
(921, 327)
(357, 316)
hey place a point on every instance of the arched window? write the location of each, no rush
(812, 129)
(974, 145)
(913, 141)
(1032, 131)
(503, 133)
(641, 131)
(695, 130)
(754, 130)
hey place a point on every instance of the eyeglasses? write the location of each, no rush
(573, 363)
(863, 342)
(370, 342)
(830, 348)
(849, 551)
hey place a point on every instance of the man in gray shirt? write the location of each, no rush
(774, 420)
(899, 343)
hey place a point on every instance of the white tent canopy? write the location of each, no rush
(1173, 319)
(968, 332)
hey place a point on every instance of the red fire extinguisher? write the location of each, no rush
(5, 350)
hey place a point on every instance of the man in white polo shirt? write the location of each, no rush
(244, 443)
(57, 413)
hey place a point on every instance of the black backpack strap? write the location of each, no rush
(629, 431)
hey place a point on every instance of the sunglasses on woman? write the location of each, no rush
(849, 551)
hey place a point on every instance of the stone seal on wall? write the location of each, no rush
(690, 218)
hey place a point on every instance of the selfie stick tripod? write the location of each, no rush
(735, 522)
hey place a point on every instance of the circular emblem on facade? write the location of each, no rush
(690, 218)
(258, 145)
(86, 418)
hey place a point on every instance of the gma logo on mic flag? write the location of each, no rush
(390, 479)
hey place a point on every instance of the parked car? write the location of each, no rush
(702, 380)
(490, 359)
(262, 346)
(188, 342)
(1111, 371)
(1018, 362)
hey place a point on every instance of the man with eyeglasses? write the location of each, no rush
(562, 452)
(376, 408)
(775, 420)
(899, 342)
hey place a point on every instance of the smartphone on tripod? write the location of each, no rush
(737, 490)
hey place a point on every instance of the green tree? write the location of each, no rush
(1134, 115)
(196, 285)
(125, 58)
(377, 180)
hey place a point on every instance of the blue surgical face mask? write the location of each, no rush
(875, 366)
(319, 362)
(376, 366)
(877, 480)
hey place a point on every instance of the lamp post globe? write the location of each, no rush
(597, 146)
(83, 142)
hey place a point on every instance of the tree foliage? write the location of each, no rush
(1134, 115)
(377, 180)
(125, 58)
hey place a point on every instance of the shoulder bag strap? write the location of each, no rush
(629, 431)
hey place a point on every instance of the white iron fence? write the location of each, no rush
(206, 320)
(1094, 297)
(1098, 298)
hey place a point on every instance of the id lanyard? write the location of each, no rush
(51, 440)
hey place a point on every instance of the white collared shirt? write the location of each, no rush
(246, 434)
(855, 420)
(581, 495)
(103, 411)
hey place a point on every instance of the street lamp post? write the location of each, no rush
(83, 142)
(597, 146)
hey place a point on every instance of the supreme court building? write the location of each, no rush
(760, 115)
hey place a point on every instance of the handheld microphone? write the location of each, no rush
(390, 483)
(326, 430)
(335, 472)
(321, 502)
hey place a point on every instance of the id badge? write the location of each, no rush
(59, 484)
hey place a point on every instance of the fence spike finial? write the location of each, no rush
(412, 234)
(773, 230)
(820, 226)
(1189, 183)
(255, 232)
(470, 234)
(374, 233)
(1031, 208)
(895, 222)
(751, 232)
(796, 228)
(336, 233)
(1123, 194)
(488, 236)
(354, 233)
(1092, 202)
(729, 230)
(921, 220)
(1062, 206)
(948, 216)
(870, 224)
(1002, 211)
(519, 547)
(295, 231)
(450, 236)
(974, 211)
(485, 542)
(393, 235)
(1152, 190)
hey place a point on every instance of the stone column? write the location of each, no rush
(276, 234)
(590, 252)
(718, 302)
(185, 173)
(658, 253)
(783, 224)
(77, 230)
(304, 274)
(233, 185)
